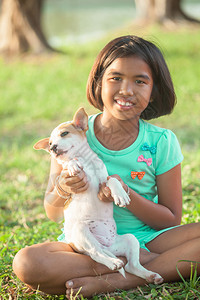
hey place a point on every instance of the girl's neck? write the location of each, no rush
(116, 134)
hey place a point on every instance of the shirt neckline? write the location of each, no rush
(127, 150)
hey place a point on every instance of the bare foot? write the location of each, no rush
(90, 286)
(93, 285)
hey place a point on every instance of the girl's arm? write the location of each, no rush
(53, 203)
(167, 212)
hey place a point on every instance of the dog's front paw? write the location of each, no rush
(119, 195)
(74, 167)
(121, 201)
(114, 263)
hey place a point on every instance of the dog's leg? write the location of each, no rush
(106, 251)
(74, 166)
(128, 246)
(86, 243)
(119, 195)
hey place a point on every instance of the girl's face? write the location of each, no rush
(126, 88)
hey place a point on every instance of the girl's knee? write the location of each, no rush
(22, 265)
(27, 265)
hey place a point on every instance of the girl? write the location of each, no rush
(129, 82)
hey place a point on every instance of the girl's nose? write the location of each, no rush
(126, 89)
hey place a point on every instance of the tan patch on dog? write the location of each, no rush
(71, 128)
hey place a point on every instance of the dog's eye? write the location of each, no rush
(64, 133)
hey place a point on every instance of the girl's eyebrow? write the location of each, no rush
(115, 73)
(144, 76)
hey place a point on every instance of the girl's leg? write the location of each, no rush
(48, 266)
(182, 243)
(174, 237)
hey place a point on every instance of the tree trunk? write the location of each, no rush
(20, 27)
(162, 11)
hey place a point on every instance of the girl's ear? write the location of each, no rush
(42, 144)
(80, 120)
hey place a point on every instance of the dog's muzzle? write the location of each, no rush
(55, 150)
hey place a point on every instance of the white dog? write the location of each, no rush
(89, 225)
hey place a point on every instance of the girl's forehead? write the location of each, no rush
(128, 64)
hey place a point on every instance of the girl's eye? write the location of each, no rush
(139, 81)
(64, 133)
(116, 78)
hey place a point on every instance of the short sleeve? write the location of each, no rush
(168, 153)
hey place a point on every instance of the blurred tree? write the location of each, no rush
(20, 27)
(162, 11)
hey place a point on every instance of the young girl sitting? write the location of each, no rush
(129, 83)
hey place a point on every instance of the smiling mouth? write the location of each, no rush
(124, 103)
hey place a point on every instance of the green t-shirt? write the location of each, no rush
(155, 151)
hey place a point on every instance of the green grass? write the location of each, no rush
(37, 94)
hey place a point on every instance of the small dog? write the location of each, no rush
(89, 225)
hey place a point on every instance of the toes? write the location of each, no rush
(155, 278)
(119, 201)
(150, 278)
(116, 199)
(69, 290)
(72, 291)
(116, 264)
(122, 200)
(158, 279)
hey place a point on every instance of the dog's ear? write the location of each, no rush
(80, 119)
(42, 144)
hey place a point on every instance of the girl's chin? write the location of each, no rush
(124, 112)
(121, 113)
(124, 116)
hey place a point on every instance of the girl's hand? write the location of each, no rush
(73, 184)
(104, 191)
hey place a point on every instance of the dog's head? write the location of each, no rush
(66, 139)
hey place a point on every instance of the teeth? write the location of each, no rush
(124, 103)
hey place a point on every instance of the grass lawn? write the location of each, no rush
(39, 93)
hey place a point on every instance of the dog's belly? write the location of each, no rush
(104, 231)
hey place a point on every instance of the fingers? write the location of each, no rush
(79, 187)
(105, 193)
(74, 184)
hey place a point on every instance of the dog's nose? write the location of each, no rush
(54, 148)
